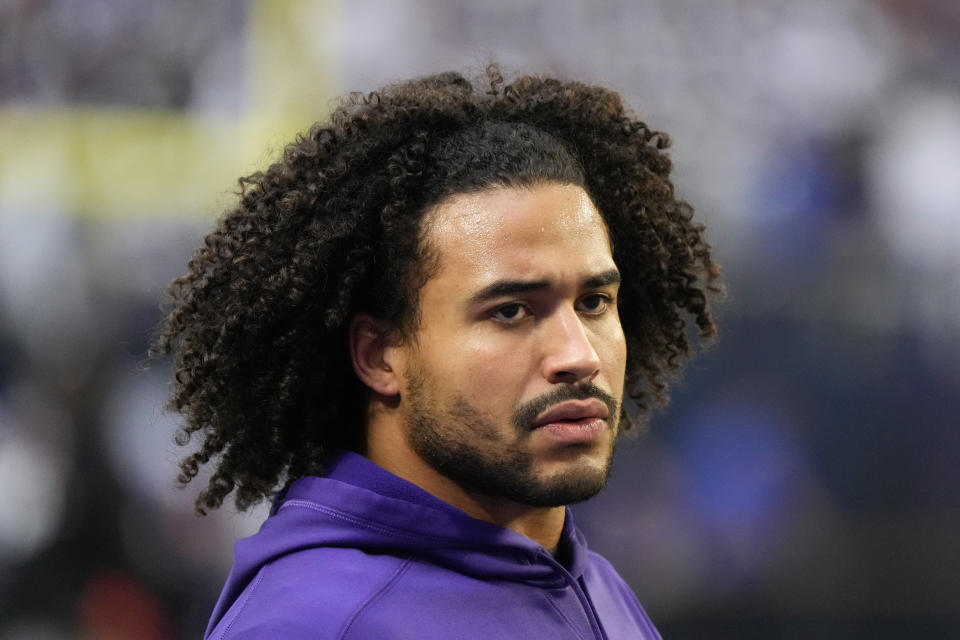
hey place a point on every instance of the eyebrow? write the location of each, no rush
(611, 276)
(513, 287)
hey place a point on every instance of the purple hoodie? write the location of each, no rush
(363, 554)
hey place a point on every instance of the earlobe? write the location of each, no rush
(369, 342)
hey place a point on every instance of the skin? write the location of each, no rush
(476, 359)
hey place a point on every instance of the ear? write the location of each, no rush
(371, 342)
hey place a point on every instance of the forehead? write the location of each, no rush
(543, 231)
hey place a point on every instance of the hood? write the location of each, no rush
(361, 505)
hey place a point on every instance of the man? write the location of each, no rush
(415, 334)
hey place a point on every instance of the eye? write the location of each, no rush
(595, 303)
(510, 312)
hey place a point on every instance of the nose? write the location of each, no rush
(569, 356)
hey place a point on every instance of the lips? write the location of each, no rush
(573, 411)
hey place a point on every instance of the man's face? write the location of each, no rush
(514, 378)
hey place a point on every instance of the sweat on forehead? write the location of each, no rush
(519, 234)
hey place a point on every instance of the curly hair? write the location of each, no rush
(258, 325)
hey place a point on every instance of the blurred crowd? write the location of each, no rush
(804, 481)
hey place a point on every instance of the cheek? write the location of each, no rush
(475, 362)
(492, 373)
(614, 355)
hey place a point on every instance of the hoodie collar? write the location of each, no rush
(362, 506)
(355, 486)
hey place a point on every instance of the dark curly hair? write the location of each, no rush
(258, 326)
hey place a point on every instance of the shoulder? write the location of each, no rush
(601, 568)
(313, 593)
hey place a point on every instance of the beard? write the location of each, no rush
(466, 446)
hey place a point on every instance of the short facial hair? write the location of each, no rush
(461, 444)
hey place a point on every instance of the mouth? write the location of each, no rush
(573, 413)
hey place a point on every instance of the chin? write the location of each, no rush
(569, 489)
(573, 484)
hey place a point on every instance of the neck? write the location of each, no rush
(387, 447)
(543, 525)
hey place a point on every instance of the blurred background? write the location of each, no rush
(803, 484)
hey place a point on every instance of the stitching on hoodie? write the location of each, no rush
(563, 615)
(340, 515)
(348, 625)
(243, 605)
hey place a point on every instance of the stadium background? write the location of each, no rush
(805, 482)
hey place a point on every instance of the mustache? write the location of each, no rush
(527, 412)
